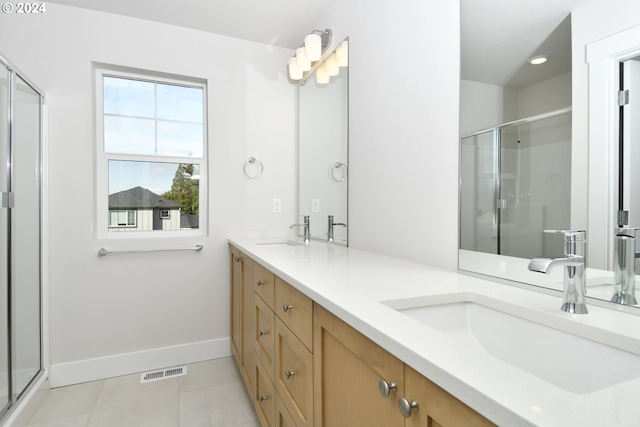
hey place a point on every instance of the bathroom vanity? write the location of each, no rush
(326, 335)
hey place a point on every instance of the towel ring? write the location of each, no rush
(253, 163)
(338, 166)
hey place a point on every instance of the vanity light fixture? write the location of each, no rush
(342, 54)
(537, 60)
(309, 56)
(331, 64)
(322, 74)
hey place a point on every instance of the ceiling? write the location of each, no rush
(281, 23)
(498, 36)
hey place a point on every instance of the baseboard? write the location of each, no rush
(81, 371)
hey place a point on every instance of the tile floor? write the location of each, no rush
(211, 394)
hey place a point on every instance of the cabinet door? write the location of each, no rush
(295, 309)
(264, 334)
(436, 407)
(283, 418)
(294, 375)
(264, 284)
(264, 397)
(348, 369)
(247, 368)
(236, 303)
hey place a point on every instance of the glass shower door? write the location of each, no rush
(4, 242)
(25, 236)
(479, 167)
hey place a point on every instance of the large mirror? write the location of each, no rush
(515, 146)
(323, 152)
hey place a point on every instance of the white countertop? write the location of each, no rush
(352, 283)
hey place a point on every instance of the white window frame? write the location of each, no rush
(167, 216)
(103, 158)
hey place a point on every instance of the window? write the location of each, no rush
(151, 135)
(122, 218)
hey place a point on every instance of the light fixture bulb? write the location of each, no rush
(342, 54)
(332, 65)
(313, 46)
(322, 77)
(537, 60)
(295, 73)
(303, 61)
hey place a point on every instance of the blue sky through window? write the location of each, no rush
(150, 119)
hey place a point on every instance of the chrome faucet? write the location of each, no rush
(330, 228)
(624, 266)
(575, 284)
(307, 229)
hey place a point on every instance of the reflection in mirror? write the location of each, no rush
(493, 91)
(323, 152)
(515, 183)
(515, 122)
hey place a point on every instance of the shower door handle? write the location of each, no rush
(6, 199)
(501, 203)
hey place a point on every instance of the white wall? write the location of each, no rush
(111, 315)
(404, 61)
(483, 105)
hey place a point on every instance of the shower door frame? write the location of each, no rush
(14, 396)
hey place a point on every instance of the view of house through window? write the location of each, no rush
(153, 140)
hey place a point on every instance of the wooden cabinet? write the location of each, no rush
(242, 314)
(303, 366)
(294, 375)
(236, 302)
(436, 407)
(348, 369)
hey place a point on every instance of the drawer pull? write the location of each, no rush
(289, 374)
(262, 398)
(262, 333)
(386, 388)
(406, 407)
(286, 307)
(259, 283)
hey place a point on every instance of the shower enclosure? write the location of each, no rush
(516, 183)
(20, 236)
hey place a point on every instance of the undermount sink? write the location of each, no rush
(571, 362)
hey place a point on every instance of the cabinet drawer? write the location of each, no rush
(264, 283)
(294, 375)
(264, 398)
(296, 310)
(265, 335)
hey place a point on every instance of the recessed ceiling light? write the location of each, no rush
(537, 60)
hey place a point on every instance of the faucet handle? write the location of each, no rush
(571, 235)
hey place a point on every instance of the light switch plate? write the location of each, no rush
(315, 205)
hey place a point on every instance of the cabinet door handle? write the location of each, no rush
(262, 398)
(259, 283)
(236, 258)
(262, 333)
(289, 374)
(286, 307)
(386, 388)
(406, 407)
